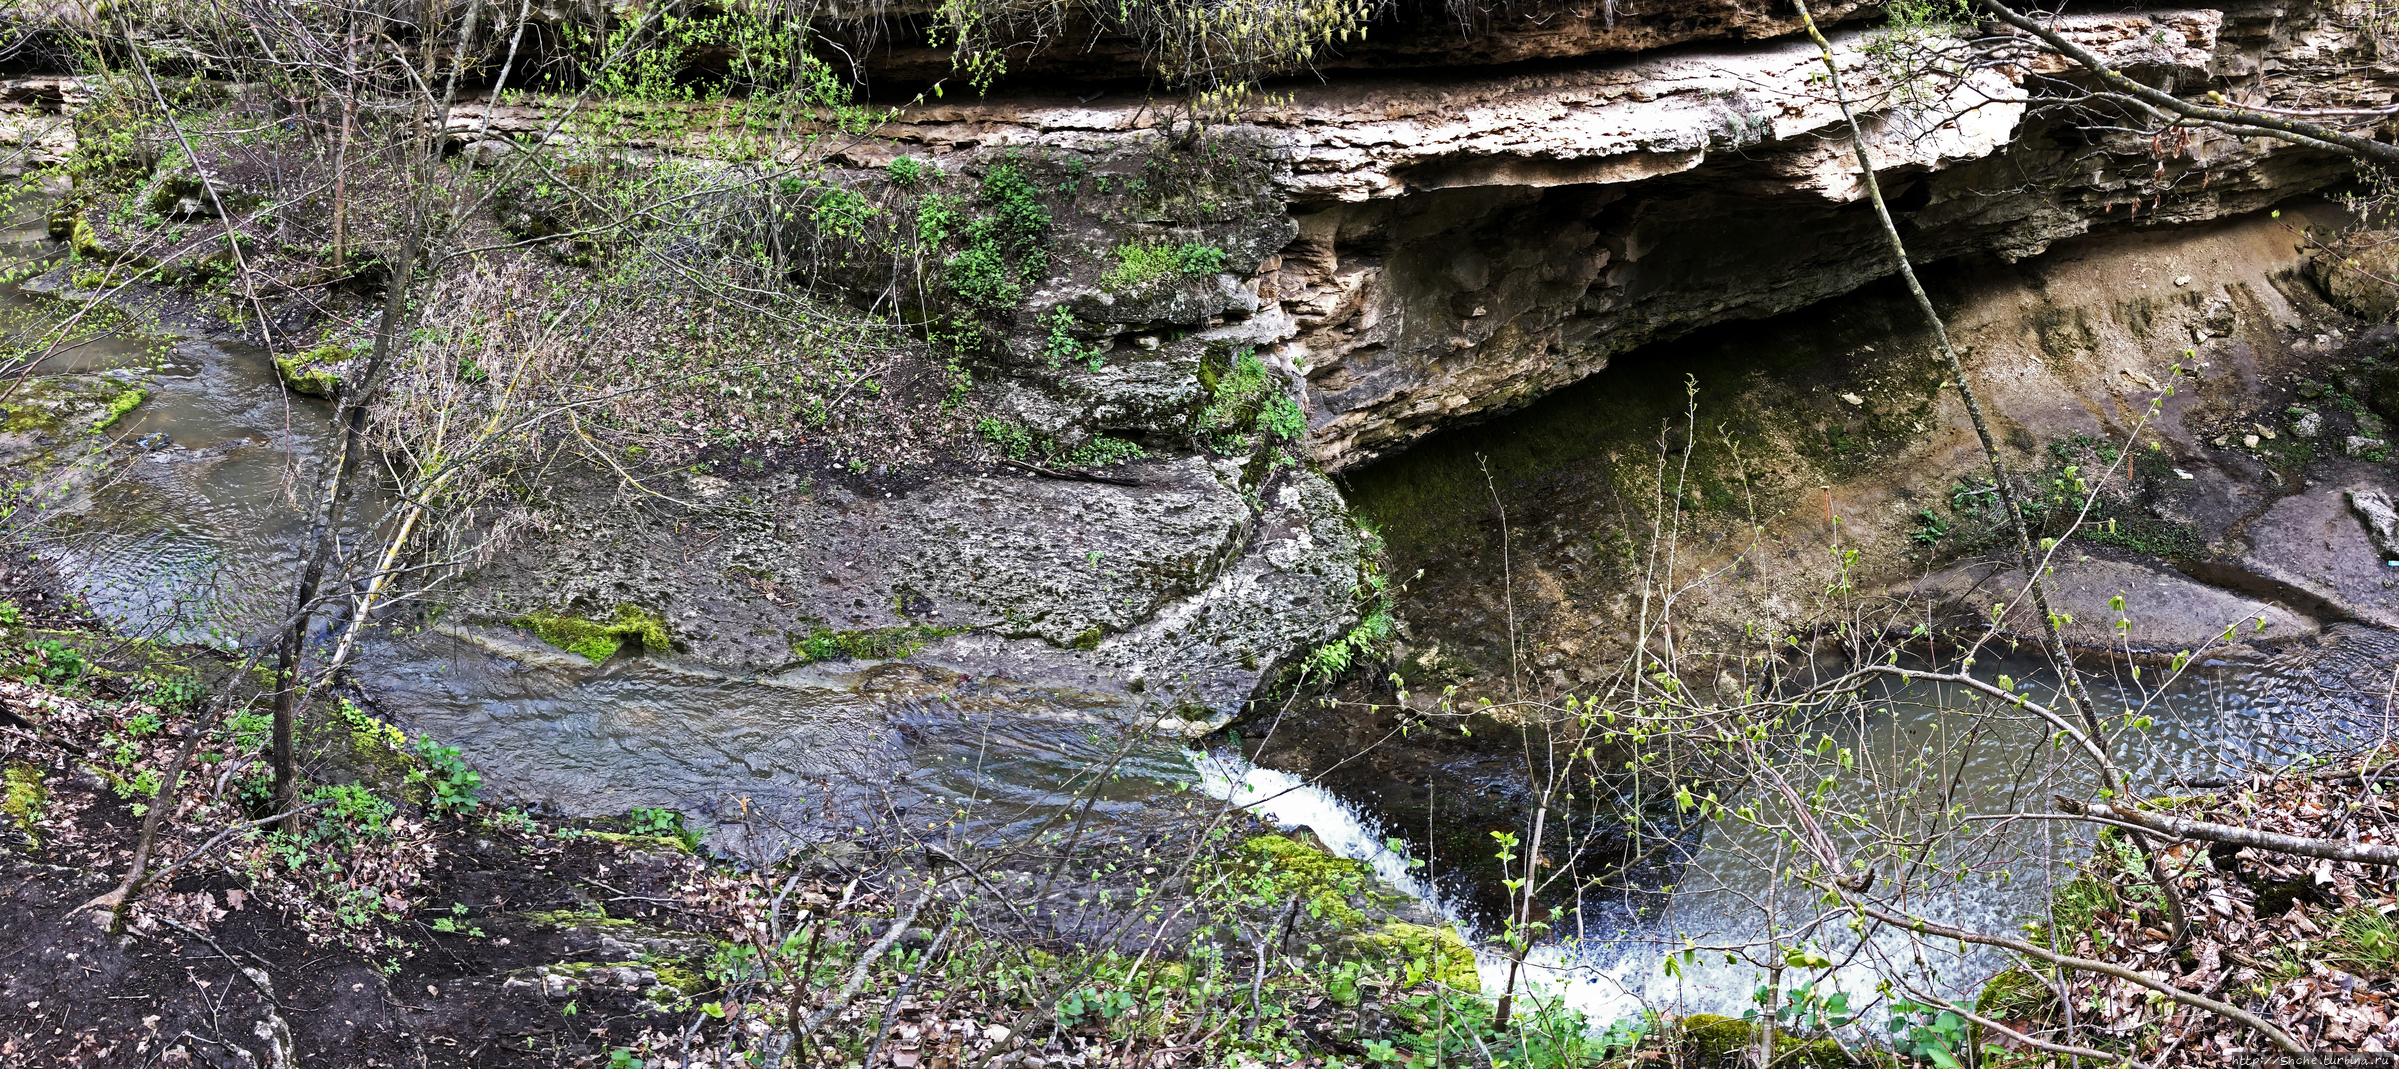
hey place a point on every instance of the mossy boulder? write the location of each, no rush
(1711, 1035)
(1715, 1039)
(1324, 883)
(1435, 952)
(599, 640)
(313, 372)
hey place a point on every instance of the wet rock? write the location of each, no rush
(2164, 610)
(1173, 581)
(153, 442)
(2359, 445)
(2310, 550)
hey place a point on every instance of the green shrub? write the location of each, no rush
(51, 661)
(664, 823)
(1281, 419)
(354, 814)
(1063, 346)
(1012, 439)
(170, 687)
(905, 173)
(980, 276)
(1103, 451)
(1006, 249)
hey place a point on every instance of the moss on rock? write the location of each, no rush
(25, 795)
(667, 843)
(1323, 882)
(1435, 952)
(1713, 1035)
(311, 372)
(868, 644)
(594, 917)
(125, 401)
(599, 640)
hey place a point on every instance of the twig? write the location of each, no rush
(2186, 828)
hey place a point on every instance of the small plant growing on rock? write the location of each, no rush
(906, 173)
(1139, 265)
(1246, 399)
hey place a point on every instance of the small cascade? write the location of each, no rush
(1730, 914)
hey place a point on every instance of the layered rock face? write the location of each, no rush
(1454, 223)
(1467, 243)
(1418, 252)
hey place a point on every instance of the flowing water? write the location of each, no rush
(194, 536)
(1728, 915)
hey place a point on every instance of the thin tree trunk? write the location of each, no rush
(2182, 827)
(118, 899)
(353, 418)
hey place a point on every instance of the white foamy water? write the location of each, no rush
(1615, 976)
(1295, 803)
(1729, 916)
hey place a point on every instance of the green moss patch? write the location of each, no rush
(599, 640)
(24, 797)
(1716, 1036)
(665, 843)
(594, 917)
(870, 644)
(1323, 882)
(310, 372)
(1436, 953)
(125, 401)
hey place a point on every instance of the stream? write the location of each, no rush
(194, 536)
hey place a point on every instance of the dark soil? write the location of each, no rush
(71, 995)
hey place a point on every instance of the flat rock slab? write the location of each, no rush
(2163, 609)
(2311, 550)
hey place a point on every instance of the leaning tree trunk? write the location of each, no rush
(352, 419)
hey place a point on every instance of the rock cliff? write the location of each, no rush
(1453, 222)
